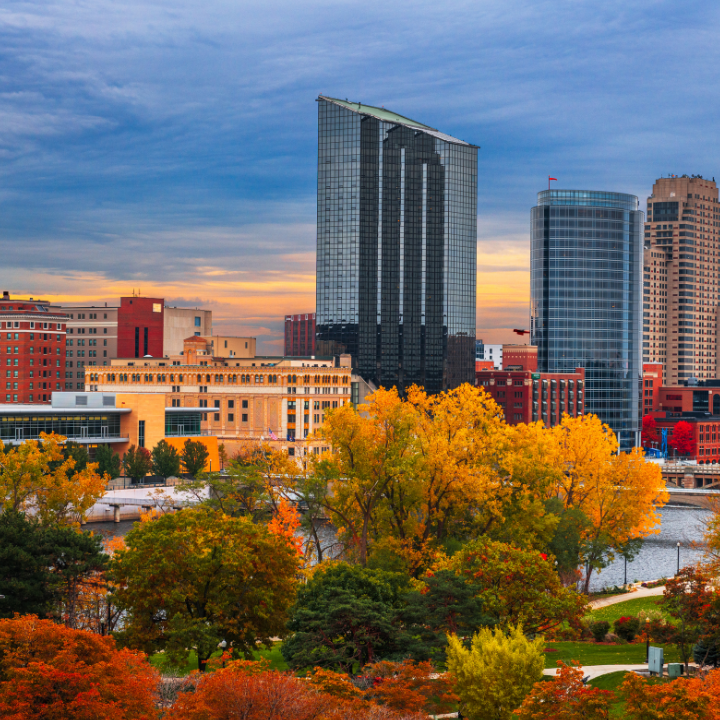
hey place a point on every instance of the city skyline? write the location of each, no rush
(149, 149)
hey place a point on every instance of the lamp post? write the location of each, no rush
(678, 558)
(625, 558)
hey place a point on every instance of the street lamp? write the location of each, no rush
(678, 559)
(625, 557)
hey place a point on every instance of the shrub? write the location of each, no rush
(493, 677)
(627, 627)
(599, 629)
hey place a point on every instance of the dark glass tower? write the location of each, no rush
(396, 247)
(586, 289)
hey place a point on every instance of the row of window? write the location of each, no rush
(40, 326)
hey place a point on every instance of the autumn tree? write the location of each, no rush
(165, 460)
(137, 463)
(687, 597)
(409, 686)
(243, 691)
(497, 671)
(684, 697)
(372, 450)
(682, 439)
(50, 672)
(618, 493)
(566, 697)
(649, 431)
(37, 477)
(345, 617)
(196, 577)
(515, 585)
(194, 457)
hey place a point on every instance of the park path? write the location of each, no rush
(593, 671)
(614, 599)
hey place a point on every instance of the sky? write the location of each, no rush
(170, 147)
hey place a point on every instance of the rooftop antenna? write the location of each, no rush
(549, 179)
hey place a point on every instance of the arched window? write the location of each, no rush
(172, 378)
(180, 378)
(207, 378)
(199, 378)
(234, 378)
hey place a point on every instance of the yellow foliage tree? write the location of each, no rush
(35, 477)
(494, 675)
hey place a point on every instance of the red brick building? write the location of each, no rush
(520, 357)
(706, 433)
(141, 324)
(300, 335)
(32, 350)
(652, 382)
(528, 396)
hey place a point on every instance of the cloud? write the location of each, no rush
(171, 145)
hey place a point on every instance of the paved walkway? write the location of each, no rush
(593, 671)
(639, 593)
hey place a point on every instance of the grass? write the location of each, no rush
(273, 655)
(627, 607)
(589, 653)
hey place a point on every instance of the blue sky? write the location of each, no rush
(171, 146)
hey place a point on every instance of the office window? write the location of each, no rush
(197, 321)
(231, 403)
(217, 417)
(244, 417)
(244, 404)
(231, 418)
(141, 433)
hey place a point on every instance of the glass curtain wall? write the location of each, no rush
(397, 247)
(586, 281)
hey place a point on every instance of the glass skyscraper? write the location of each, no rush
(396, 247)
(586, 289)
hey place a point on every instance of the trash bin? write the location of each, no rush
(675, 670)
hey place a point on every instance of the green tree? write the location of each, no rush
(78, 453)
(346, 617)
(494, 675)
(446, 605)
(42, 568)
(196, 577)
(108, 461)
(165, 460)
(194, 457)
(137, 463)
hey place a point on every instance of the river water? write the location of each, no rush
(656, 559)
(659, 554)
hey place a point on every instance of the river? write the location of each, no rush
(659, 553)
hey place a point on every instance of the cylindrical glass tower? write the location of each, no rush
(586, 290)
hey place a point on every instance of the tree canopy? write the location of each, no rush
(196, 577)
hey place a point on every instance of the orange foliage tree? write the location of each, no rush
(239, 691)
(566, 697)
(51, 672)
(409, 687)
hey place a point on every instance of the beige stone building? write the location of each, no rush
(276, 400)
(680, 293)
(180, 323)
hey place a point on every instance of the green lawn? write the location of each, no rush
(590, 653)
(627, 607)
(276, 660)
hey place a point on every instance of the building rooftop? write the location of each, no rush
(392, 117)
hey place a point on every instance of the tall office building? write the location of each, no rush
(681, 293)
(585, 279)
(396, 247)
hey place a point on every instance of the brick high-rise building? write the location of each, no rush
(32, 350)
(141, 327)
(680, 294)
(300, 335)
